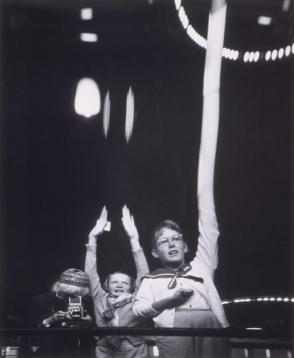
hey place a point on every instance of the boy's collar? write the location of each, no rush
(184, 268)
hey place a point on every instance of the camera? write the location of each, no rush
(75, 309)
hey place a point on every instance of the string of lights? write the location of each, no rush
(259, 299)
(247, 56)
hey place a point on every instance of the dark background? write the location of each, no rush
(58, 170)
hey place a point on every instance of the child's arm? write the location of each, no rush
(91, 256)
(208, 226)
(141, 264)
(147, 306)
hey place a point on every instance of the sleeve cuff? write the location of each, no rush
(91, 247)
(147, 312)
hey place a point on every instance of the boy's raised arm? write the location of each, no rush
(91, 256)
(141, 264)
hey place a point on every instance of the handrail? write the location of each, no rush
(232, 332)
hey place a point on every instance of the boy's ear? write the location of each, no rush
(186, 249)
(154, 253)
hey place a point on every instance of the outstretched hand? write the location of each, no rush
(99, 228)
(129, 223)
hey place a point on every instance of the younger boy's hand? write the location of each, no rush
(129, 224)
(99, 228)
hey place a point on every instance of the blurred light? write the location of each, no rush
(279, 299)
(292, 299)
(259, 299)
(256, 56)
(286, 299)
(268, 55)
(264, 20)
(267, 353)
(286, 5)
(88, 37)
(281, 53)
(274, 54)
(225, 302)
(196, 37)
(265, 299)
(87, 13)
(183, 17)
(272, 299)
(106, 114)
(254, 328)
(130, 114)
(155, 351)
(178, 4)
(232, 54)
(87, 99)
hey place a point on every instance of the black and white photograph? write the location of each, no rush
(146, 178)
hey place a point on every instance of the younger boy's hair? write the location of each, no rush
(169, 224)
(132, 281)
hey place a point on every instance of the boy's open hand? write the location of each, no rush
(99, 228)
(129, 223)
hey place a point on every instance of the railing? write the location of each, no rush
(245, 341)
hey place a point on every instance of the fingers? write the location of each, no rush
(125, 213)
(103, 214)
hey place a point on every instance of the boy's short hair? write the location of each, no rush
(169, 224)
(132, 281)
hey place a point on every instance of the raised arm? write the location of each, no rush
(207, 251)
(141, 264)
(91, 255)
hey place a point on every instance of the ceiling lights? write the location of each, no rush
(255, 56)
(259, 299)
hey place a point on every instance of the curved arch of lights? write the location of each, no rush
(259, 299)
(233, 54)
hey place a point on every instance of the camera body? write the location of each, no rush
(75, 309)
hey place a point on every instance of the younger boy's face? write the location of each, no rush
(119, 284)
(170, 248)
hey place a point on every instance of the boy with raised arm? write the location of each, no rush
(113, 301)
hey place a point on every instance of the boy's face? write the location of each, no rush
(170, 248)
(119, 284)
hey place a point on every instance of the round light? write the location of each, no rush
(286, 299)
(274, 54)
(293, 48)
(281, 53)
(246, 56)
(87, 101)
(288, 50)
(251, 56)
(236, 54)
(265, 299)
(268, 55)
(279, 299)
(272, 299)
(256, 56)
